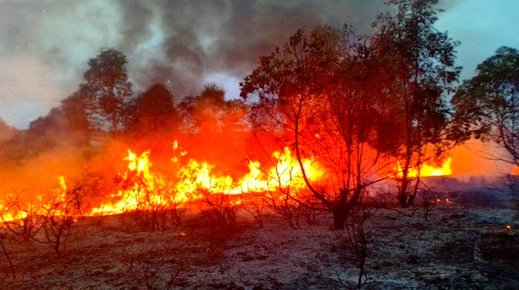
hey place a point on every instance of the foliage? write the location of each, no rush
(415, 64)
(210, 113)
(6, 131)
(487, 106)
(107, 86)
(314, 94)
(77, 109)
(153, 115)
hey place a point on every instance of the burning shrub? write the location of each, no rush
(49, 221)
(221, 210)
(257, 206)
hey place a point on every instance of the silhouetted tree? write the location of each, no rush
(77, 109)
(46, 132)
(416, 68)
(8, 138)
(106, 83)
(314, 94)
(154, 114)
(210, 113)
(6, 131)
(487, 105)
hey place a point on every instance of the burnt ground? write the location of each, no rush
(462, 245)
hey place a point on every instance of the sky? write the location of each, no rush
(185, 44)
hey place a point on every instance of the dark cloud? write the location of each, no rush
(206, 37)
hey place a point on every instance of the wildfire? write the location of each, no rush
(54, 203)
(515, 171)
(427, 169)
(146, 190)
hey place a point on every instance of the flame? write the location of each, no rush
(515, 171)
(138, 184)
(148, 190)
(54, 203)
(426, 169)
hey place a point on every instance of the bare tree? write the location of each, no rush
(4, 236)
(358, 238)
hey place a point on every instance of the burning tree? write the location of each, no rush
(315, 93)
(416, 68)
(153, 119)
(488, 104)
(209, 113)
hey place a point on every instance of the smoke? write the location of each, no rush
(198, 39)
(45, 46)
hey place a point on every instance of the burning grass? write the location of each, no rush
(460, 246)
(187, 223)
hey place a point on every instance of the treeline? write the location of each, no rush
(104, 108)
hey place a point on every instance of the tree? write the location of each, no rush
(154, 113)
(77, 109)
(6, 131)
(416, 67)
(314, 94)
(210, 113)
(488, 104)
(44, 132)
(106, 83)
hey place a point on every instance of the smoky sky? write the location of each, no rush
(184, 44)
(200, 39)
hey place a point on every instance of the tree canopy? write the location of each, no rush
(347, 100)
(107, 86)
(315, 94)
(487, 105)
(209, 112)
(416, 68)
(154, 113)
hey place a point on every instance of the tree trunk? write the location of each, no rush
(339, 217)
(402, 198)
(402, 192)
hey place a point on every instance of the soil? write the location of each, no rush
(469, 241)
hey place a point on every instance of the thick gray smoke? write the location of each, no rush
(184, 44)
(45, 45)
(190, 42)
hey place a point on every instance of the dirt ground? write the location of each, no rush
(464, 244)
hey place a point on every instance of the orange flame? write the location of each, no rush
(53, 204)
(427, 170)
(148, 189)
